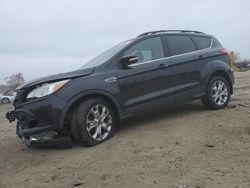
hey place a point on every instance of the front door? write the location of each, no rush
(149, 84)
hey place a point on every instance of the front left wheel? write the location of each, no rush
(93, 122)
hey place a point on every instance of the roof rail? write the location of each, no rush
(168, 31)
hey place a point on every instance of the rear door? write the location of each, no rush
(187, 63)
(146, 86)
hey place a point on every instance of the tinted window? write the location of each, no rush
(202, 42)
(216, 43)
(179, 44)
(147, 50)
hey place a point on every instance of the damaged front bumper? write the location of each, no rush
(33, 135)
(27, 124)
(48, 139)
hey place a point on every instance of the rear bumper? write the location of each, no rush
(232, 79)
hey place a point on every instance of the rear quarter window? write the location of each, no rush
(180, 44)
(216, 43)
(202, 42)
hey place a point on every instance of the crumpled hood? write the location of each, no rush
(57, 77)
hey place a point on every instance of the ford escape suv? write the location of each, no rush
(154, 71)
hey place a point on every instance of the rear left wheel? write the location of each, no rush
(217, 93)
(92, 122)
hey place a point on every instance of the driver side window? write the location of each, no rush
(146, 50)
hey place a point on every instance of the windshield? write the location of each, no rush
(105, 56)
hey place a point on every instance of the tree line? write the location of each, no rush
(12, 83)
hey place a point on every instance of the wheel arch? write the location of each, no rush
(76, 100)
(224, 74)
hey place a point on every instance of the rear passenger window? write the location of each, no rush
(179, 44)
(202, 42)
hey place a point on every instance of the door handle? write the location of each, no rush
(201, 57)
(162, 66)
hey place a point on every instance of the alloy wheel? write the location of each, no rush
(219, 92)
(99, 122)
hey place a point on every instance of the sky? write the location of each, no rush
(43, 37)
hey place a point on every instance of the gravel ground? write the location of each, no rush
(187, 146)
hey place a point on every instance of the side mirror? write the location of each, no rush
(128, 60)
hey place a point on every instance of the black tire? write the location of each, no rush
(79, 130)
(208, 100)
(5, 101)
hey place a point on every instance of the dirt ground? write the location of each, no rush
(188, 146)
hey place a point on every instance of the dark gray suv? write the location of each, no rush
(153, 71)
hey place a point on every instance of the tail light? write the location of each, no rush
(224, 51)
(231, 58)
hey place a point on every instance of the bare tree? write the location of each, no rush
(3, 88)
(14, 81)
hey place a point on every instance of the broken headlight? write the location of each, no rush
(46, 89)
